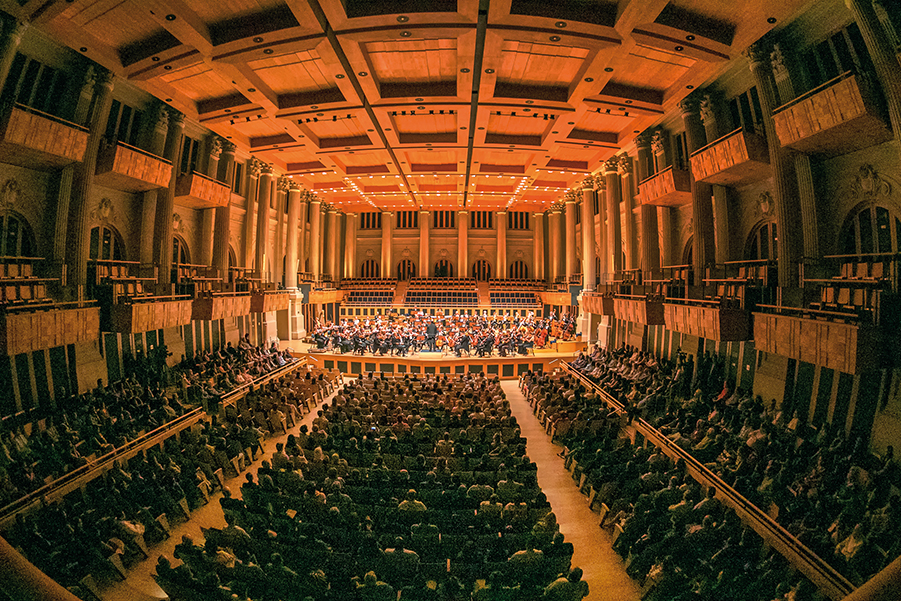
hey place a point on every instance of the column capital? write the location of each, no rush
(105, 78)
(610, 166)
(588, 183)
(176, 117)
(462, 212)
(159, 116)
(690, 105)
(658, 141)
(294, 186)
(266, 169)
(228, 147)
(557, 207)
(625, 164)
(284, 184)
(256, 167)
(643, 140)
(424, 212)
(707, 107)
(777, 62)
(215, 146)
(759, 52)
(502, 212)
(388, 213)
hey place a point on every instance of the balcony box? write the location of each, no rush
(266, 302)
(129, 169)
(736, 158)
(197, 191)
(220, 307)
(838, 117)
(134, 318)
(36, 140)
(710, 322)
(638, 310)
(669, 188)
(597, 304)
(846, 347)
(28, 332)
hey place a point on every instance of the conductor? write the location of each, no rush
(431, 333)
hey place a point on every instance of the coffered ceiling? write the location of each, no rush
(418, 103)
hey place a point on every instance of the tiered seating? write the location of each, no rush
(195, 280)
(368, 283)
(443, 292)
(673, 282)
(515, 299)
(243, 279)
(516, 284)
(368, 297)
(118, 278)
(19, 287)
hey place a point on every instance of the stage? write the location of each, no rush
(436, 363)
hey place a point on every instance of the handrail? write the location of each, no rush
(60, 120)
(715, 142)
(141, 151)
(207, 177)
(812, 565)
(661, 172)
(84, 474)
(814, 91)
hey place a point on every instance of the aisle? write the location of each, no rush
(604, 569)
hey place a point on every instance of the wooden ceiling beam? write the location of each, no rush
(179, 20)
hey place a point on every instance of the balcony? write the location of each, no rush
(847, 347)
(736, 158)
(152, 314)
(129, 169)
(708, 321)
(838, 117)
(638, 309)
(598, 304)
(220, 306)
(669, 188)
(197, 191)
(267, 302)
(60, 326)
(36, 140)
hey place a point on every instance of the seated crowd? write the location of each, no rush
(107, 524)
(91, 424)
(827, 490)
(413, 486)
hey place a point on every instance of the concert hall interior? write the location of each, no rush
(450, 299)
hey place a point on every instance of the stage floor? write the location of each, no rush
(438, 363)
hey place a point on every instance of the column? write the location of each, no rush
(663, 158)
(78, 238)
(424, 262)
(785, 202)
(884, 60)
(350, 245)
(501, 224)
(650, 239)
(610, 169)
(553, 226)
(387, 226)
(222, 229)
(630, 238)
(303, 212)
(261, 259)
(253, 185)
(462, 244)
(569, 238)
(315, 237)
(538, 246)
(208, 216)
(279, 248)
(600, 226)
(703, 247)
(292, 239)
(714, 118)
(331, 240)
(561, 241)
(22, 580)
(12, 37)
(588, 255)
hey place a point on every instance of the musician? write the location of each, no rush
(462, 344)
(431, 334)
(485, 345)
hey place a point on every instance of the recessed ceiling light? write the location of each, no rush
(589, 79)
(554, 132)
(168, 100)
(690, 87)
(268, 51)
(155, 59)
(362, 73)
(571, 123)
(679, 48)
(251, 90)
(560, 24)
(481, 128)
(489, 71)
(771, 20)
(320, 114)
(405, 34)
(166, 67)
(464, 70)
(555, 38)
(420, 108)
(229, 137)
(463, 128)
(527, 110)
(257, 40)
(690, 38)
(228, 110)
(403, 19)
(339, 76)
(608, 69)
(628, 102)
(83, 49)
(170, 17)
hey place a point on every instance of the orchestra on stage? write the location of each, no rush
(457, 333)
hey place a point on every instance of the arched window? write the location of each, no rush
(180, 254)
(444, 269)
(481, 270)
(369, 269)
(519, 270)
(17, 240)
(762, 242)
(874, 229)
(106, 244)
(688, 252)
(406, 269)
(232, 257)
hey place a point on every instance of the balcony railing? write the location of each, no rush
(737, 158)
(669, 188)
(61, 324)
(37, 140)
(129, 169)
(197, 191)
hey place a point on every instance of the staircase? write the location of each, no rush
(484, 294)
(400, 292)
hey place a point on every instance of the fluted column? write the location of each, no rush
(222, 229)
(782, 164)
(331, 240)
(554, 217)
(350, 245)
(650, 239)
(12, 36)
(388, 270)
(302, 218)
(600, 227)
(208, 216)
(630, 237)
(424, 263)
(663, 158)
(155, 145)
(462, 243)
(571, 265)
(79, 234)
(703, 247)
(884, 60)
(538, 246)
(254, 169)
(501, 225)
(262, 260)
(279, 247)
(610, 169)
(714, 117)
(292, 237)
(315, 237)
(588, 267)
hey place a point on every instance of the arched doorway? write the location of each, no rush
(406, 269)
(16, 239)
(762, 242)
(519, 270)
(481, 270)
(369, 269)
(444, 269)
(105, 244)
(180, 253)
(871, 229)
